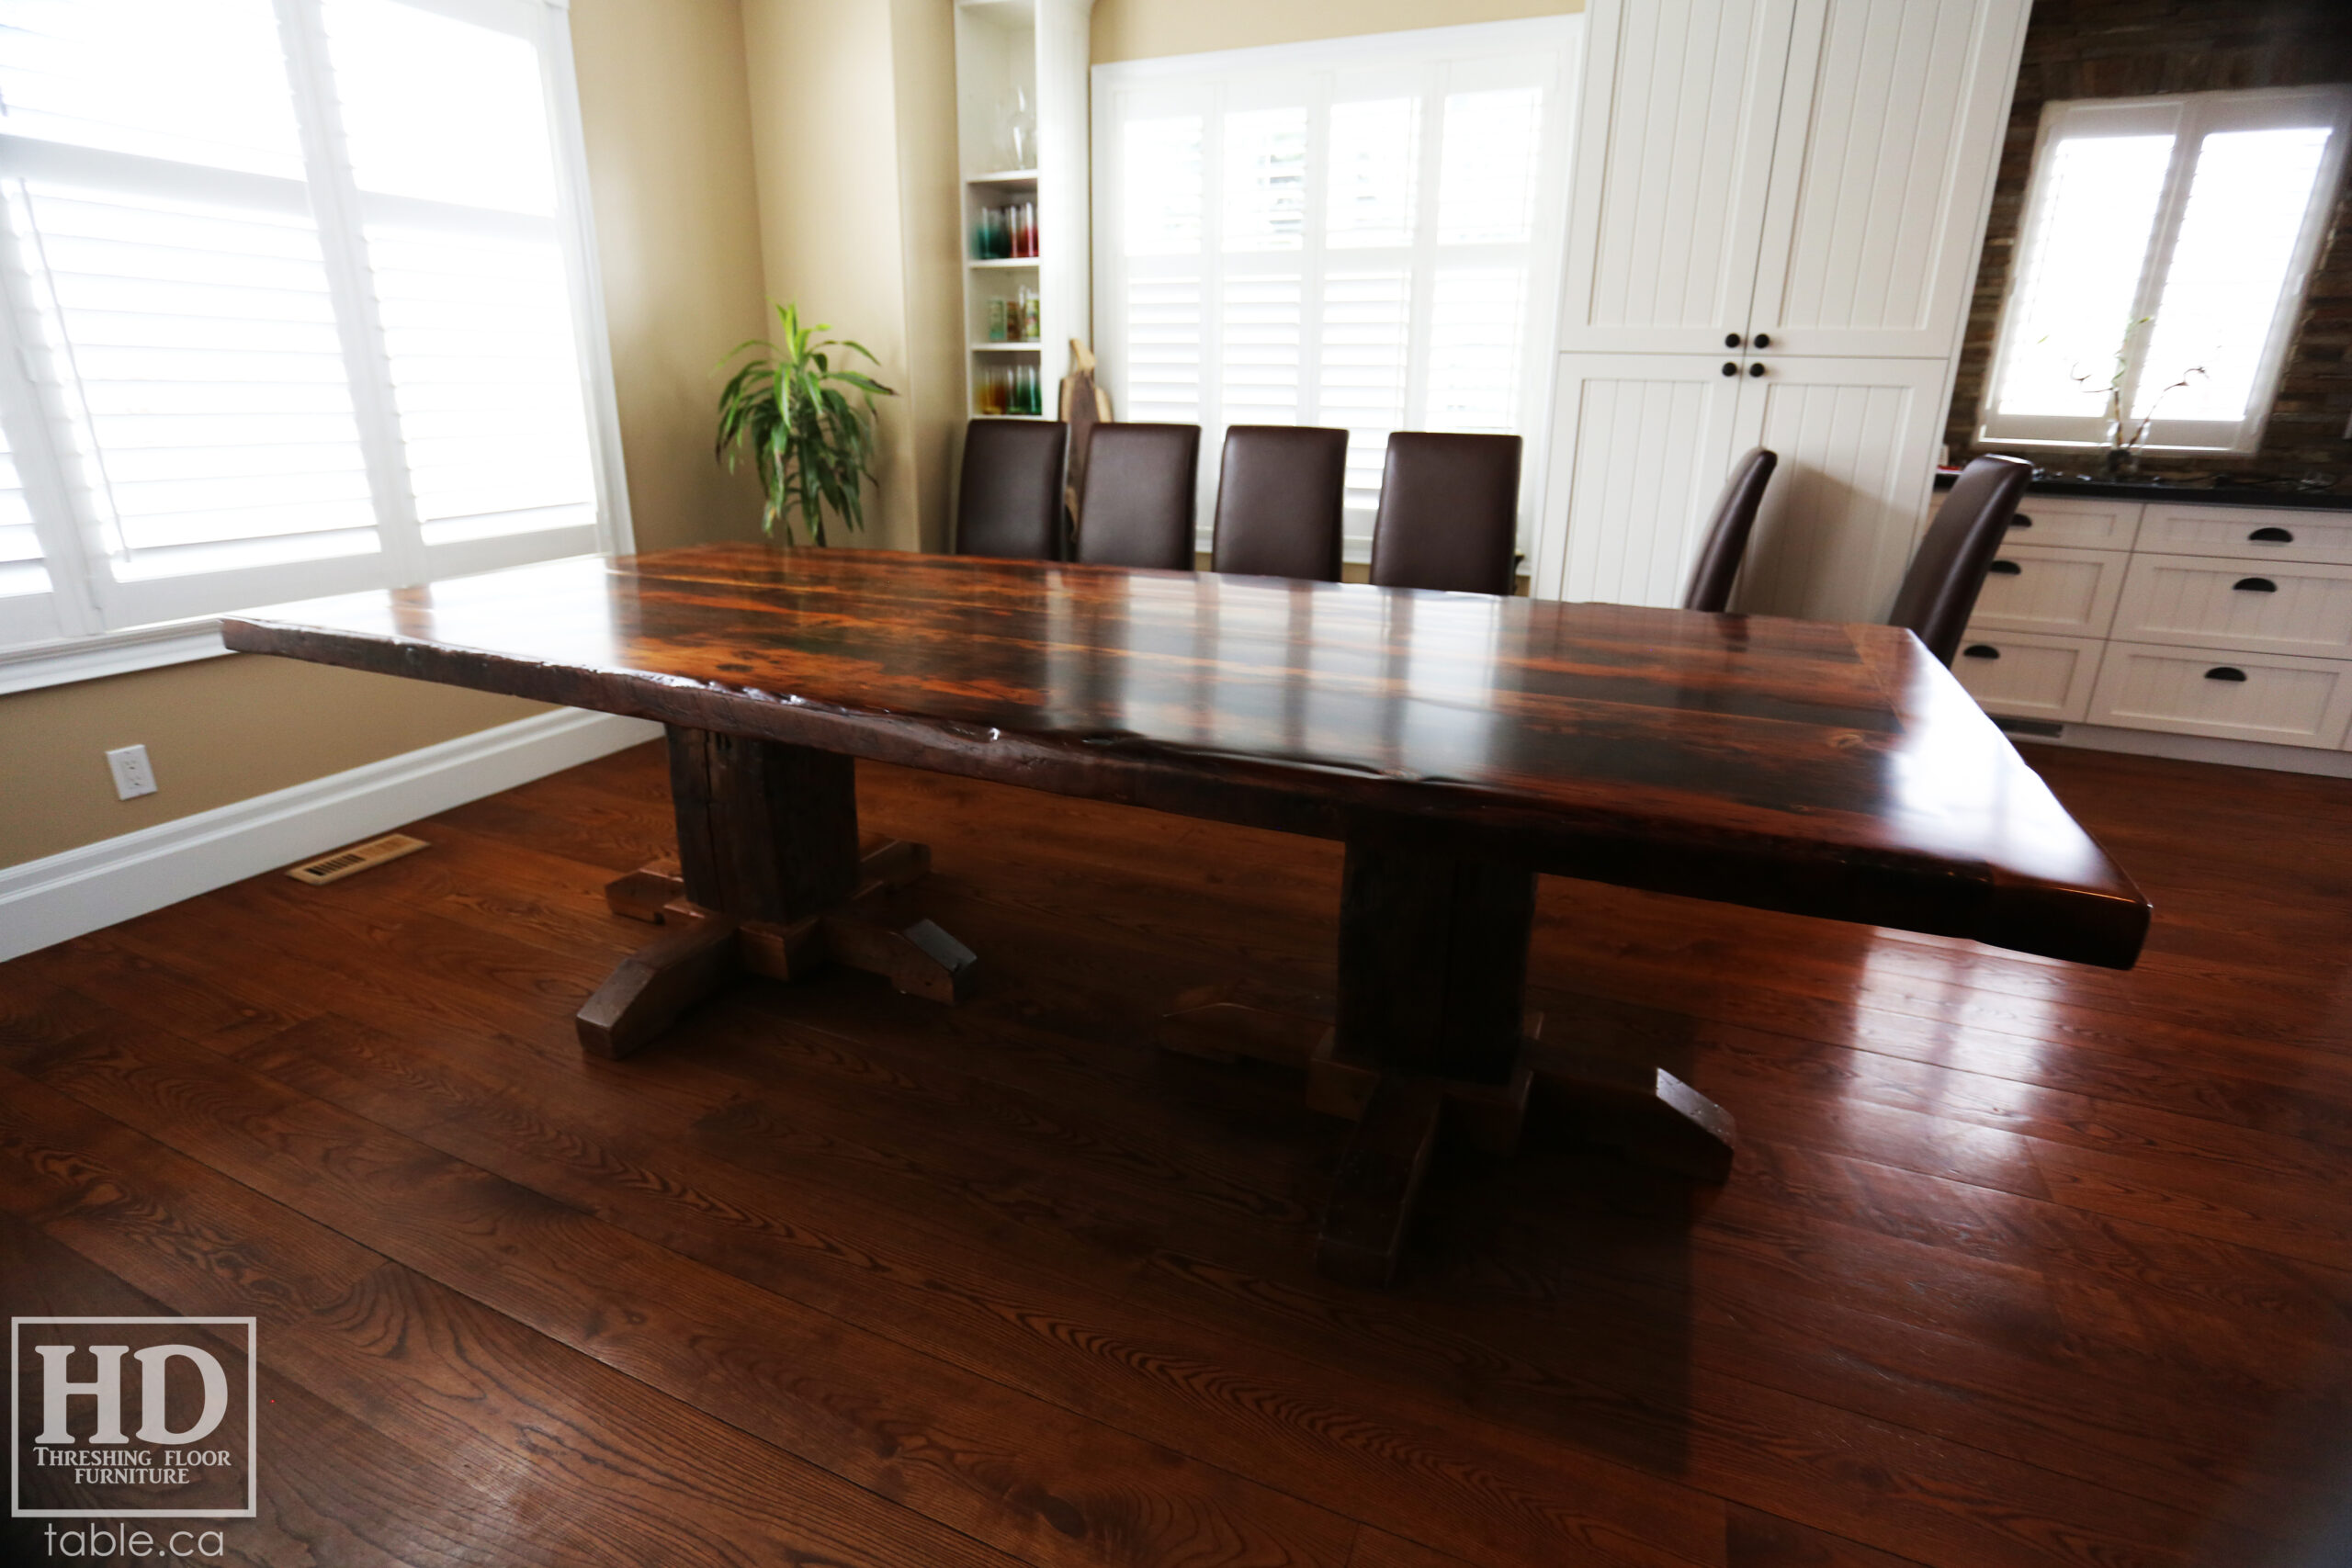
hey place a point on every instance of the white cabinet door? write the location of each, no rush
(1639, 445)
(2248, 534)
(2024, 675)
(1856, 440)
(1672, 170)
(2276, 607)
(2048, 588)
(2194, 691)
(1882, 173)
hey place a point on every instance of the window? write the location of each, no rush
(2166, 248)
(298, 300)
(1363, 233)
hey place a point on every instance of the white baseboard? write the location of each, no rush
(47, 901)
(2194, 748)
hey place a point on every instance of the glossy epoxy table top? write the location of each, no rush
(1822, 769)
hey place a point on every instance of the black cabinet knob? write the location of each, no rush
(1756, 370)
(1980, 650)
(2005, 569)
(1763, 339)
(2255, 585)
(2224, 672)
(1729, 368)
(1731, 340)
(2271, 537)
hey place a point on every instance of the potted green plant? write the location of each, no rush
(806, 425)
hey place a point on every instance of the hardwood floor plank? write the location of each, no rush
(2022, 1263)
(621, 1468)
(851, 1401)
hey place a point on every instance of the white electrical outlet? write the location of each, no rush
(133, 774)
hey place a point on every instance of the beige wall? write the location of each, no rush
(218, 731)
(1146, 30)
(666, 113)
(856, 172)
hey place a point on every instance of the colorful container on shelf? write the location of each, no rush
(1005, 234)
(1009, 390)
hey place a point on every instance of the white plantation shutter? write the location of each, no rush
(2167, 240)
(1361, 233)
(298, 300)
(21, 571)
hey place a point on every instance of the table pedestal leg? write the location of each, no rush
(1430, 1041)
(771, 878)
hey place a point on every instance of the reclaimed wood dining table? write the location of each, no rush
(1458, 744)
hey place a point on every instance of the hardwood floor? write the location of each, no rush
(2020, 1263)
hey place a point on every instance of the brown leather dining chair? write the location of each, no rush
(1449, 512)
(1010, 503)
(1726, 538)
(1278, 499)
(1938, 592)
(1136, 507)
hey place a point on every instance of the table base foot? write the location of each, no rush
(1380, 1180)
(659, 981)
(1645, 1113)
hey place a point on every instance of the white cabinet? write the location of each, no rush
(2230, 622)
(2081, 523)
(2044, 588)
(1812, 170)
(2248, 534)
(2222, 692)
(2026, 675)
(1640, 444)
(1890, 125)
(1673, 167)
(1856, 440)
(2273, 606)
(1786, 196)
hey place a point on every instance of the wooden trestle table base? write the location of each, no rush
(1458, 744)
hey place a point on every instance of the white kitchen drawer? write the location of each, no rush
(2261, 606)
(2061, 593)
(2247, 533)
(2190, 691)
(2023, 675)
(2070, 522)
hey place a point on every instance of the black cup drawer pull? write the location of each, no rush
(1980, 650)
(2005, 569)
(2254, 585)
(2271, 537)
(2020, 520)
(2224, 672)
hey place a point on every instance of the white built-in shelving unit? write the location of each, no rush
(1037, 49)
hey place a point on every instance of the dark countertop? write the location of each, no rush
(2188, 495)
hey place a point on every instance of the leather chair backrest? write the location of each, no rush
(1010, 503)
(1726, 537)
(1137, 506)
(1449, 512)
(1938, 592)
(1278, 502)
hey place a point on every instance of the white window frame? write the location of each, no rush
(1215, 76)
(2187, 118)
(98, 625)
